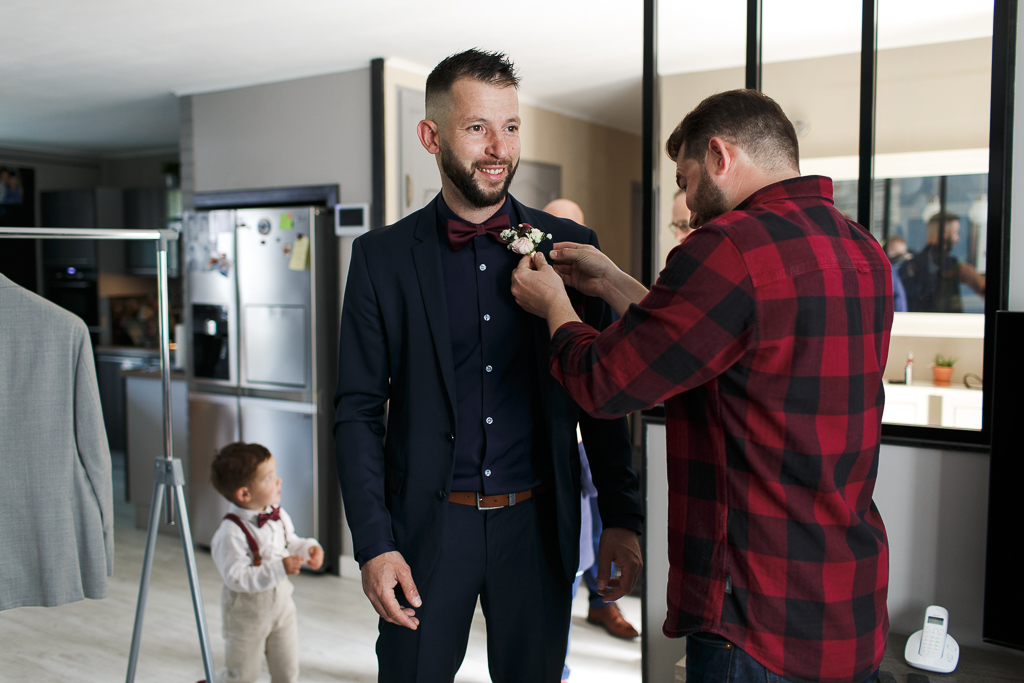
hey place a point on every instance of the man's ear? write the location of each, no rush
(721, 156)
(428, 133)
(242, 495)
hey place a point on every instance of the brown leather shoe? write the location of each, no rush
(611, 618)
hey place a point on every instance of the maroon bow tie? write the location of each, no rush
(460, 233)
(265, 517)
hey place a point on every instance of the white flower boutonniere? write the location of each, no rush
(524, 238)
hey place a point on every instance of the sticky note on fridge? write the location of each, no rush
(287, 221)
(300, 254)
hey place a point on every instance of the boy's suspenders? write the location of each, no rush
(254, 547)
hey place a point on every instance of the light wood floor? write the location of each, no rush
(88, 641)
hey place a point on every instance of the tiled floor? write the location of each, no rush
(89, 641)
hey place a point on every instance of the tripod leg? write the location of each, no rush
(193, 580)
(147, 570)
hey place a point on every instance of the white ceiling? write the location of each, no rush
(103, 76)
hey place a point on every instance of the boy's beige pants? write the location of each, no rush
(256, 624)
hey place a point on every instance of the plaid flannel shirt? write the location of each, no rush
(766, 337)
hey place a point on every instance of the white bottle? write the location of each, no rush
(908, 371)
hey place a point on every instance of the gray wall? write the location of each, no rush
(934, 505)
(310, 131)
(661, 653)
(1016, 275)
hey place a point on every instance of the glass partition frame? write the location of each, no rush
(1000, 143)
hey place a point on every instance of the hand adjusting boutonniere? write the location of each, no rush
(524, 238)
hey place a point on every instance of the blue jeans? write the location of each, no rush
(711, 658)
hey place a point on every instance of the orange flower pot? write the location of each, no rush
(941, 375)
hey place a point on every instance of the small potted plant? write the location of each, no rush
(942, 370)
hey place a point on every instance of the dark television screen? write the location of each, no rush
(17, 210)
(1004, 589)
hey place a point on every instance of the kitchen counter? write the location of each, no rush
(153, 372)
(138, 351)
(145, 440)
(976, 665)
(924, 403)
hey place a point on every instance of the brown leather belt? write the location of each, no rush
(494, 502)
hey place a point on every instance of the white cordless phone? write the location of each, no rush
(933, 636)
(932, 648)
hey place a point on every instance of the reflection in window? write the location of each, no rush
(930, 202)
(930, 157)
(925, 222)
(692, 64)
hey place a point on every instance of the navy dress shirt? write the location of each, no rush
(498, 402)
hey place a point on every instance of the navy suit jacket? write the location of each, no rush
(395, 418)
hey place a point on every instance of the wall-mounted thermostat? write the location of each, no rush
(351, 220)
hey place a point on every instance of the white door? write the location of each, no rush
(419, 179)
(537, 183)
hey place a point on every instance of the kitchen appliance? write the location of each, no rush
(71, 267)
(262, 313)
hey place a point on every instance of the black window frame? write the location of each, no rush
(1004, 40)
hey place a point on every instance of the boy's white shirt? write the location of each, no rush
(231, 554)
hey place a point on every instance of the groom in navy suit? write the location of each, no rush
(456, 449)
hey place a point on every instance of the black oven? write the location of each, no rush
(74, 288)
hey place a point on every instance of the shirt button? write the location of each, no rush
(440, 495)
(487, 473)
(483, 266)
(488, 368)
(487, 316)
(451, 437)
(489, 420)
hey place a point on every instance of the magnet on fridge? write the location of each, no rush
(300, 254)
(286, 249)
(287, 221)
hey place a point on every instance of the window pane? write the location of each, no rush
(931, 201)
(811, 56)
(693, 63)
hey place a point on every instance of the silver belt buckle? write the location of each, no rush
(511, 502)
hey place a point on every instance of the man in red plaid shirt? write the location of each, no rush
(766, 337)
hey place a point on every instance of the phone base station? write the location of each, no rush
(942, 664)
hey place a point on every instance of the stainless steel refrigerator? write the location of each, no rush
(262, 312)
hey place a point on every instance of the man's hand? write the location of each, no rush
(292, 563)
(316, 557)
(622, 547)
(539, 290)
(583, 267)
(380, 576)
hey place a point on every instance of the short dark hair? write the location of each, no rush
(748, 119)
(494, 68)
(235, 466)
(946, 218)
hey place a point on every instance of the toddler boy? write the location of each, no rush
(255, 549)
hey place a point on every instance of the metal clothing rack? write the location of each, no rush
(168, 476)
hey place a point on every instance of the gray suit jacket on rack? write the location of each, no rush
(56, 500)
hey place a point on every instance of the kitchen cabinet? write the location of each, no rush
(145, 423)
(923, 403)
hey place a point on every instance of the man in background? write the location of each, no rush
(680, 216)
(933, 277)
(601, 613)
